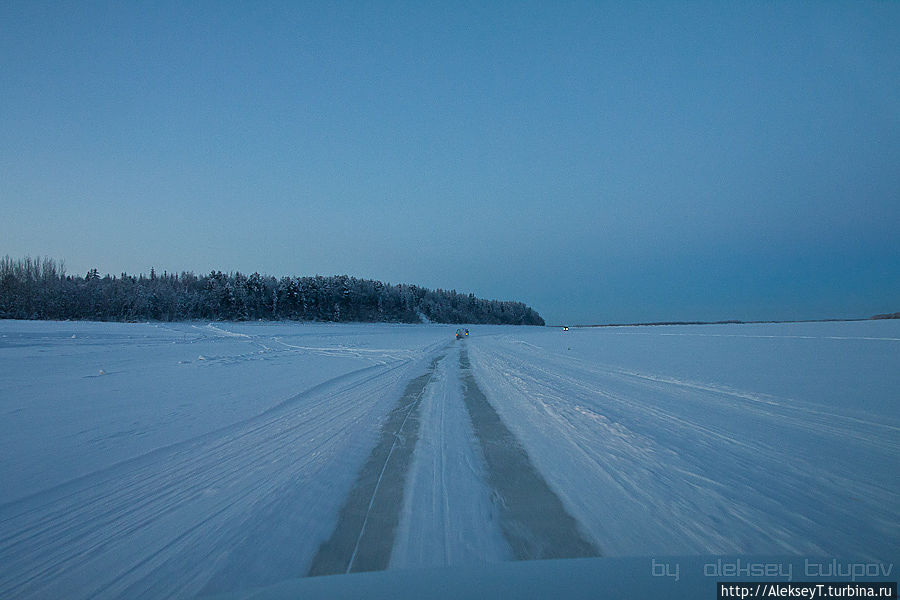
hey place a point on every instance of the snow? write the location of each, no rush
(163, 383)
(447, 518)
(132, 467)
(712, 439)
(165, 474)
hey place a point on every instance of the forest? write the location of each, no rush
(41, 289)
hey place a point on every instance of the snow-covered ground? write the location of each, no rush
(161, 460)
(734, 439)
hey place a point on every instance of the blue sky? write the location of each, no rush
(603, 162)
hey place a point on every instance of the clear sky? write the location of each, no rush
(602, 162)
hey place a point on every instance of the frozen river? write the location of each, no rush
(176, 460)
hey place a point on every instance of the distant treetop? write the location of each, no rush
(41, 289)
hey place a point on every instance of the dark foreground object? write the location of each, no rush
(672, 577)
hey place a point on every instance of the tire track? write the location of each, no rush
(449, 517)
(364, 536)
(162, 521)
(708, 463)
(532, 517)
(532, 520)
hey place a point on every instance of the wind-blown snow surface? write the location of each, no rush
(159, 460)
(775, 439)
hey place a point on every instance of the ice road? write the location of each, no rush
(189, 459)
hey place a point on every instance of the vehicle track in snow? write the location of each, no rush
(533, 519)
(165, 523)
(647, 458)
(467, 488)
(717, 470)
(364, 536)
(449, 514)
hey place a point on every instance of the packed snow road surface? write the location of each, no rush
(176, 460)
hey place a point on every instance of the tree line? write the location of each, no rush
(41, 289)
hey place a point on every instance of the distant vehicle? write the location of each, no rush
(461, 333)
(565, 328)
